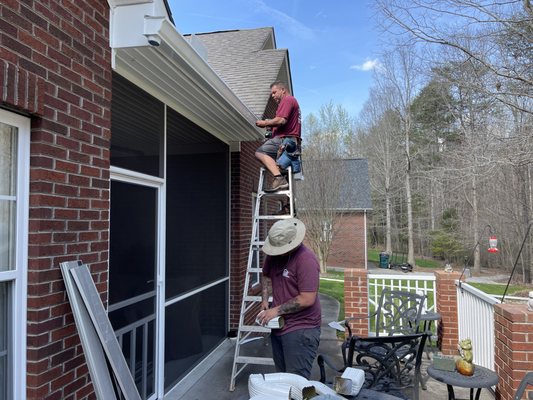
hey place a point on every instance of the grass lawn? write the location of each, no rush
(497, 289)
(373, 256)
(335, 290)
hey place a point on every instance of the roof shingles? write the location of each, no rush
(247, 62)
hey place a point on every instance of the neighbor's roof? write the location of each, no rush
(248, 61)
(355, 190)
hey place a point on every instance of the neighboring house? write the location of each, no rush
(121, 146)
(352, 201)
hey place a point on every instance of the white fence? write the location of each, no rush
(475, 313)
(417, 283)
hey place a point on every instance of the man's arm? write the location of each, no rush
(264, 123)
(298, 303)
(266, 284)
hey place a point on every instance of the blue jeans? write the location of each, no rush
(295, 351)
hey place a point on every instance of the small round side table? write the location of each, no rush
(482, 378)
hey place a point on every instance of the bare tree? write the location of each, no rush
(399, 73)
(319, 195)
(378, 139)
(506, 29)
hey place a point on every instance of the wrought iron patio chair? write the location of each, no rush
(389, 357)
(527, 380)
(391, 363)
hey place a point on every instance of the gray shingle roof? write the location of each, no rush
(247, 61)
(355, 190)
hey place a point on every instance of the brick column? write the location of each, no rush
(356, 298)
(447, 307)
(513, 331)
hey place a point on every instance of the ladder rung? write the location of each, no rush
(254, 328)
(255, 269)
(255, 360)
(253, 298)
(285, 192)
(270, 217)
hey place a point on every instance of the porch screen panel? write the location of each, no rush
(197, 207)
(137, 128)
(132, 278)
(193, 328)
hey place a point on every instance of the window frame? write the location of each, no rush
(17, 277)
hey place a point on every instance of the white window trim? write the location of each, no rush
(19, 276)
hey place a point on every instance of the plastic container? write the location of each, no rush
(383, 259)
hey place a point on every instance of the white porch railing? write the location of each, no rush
(418, 283)
(475, 313)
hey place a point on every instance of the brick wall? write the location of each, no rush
(356, 299)
(513, 326)
(244, 178)
(56, 57)
(447, 306)
(348, 247)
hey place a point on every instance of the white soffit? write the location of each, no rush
(174, 73)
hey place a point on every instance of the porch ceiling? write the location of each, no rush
(176, 74)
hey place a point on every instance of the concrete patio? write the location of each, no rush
(210, 380)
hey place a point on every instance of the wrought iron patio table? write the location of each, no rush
(482, 378)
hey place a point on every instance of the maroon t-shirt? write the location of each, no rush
(288, 109)
(297, 272)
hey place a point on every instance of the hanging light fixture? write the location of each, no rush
(493, 244)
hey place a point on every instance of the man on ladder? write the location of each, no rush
(293, 272)
(286, 134)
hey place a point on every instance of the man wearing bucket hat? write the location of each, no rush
(286, 132)
(293, 271)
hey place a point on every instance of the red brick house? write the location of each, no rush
(351, 202)
(123, 147)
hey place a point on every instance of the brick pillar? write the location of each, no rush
(513, 331)
(447, 307)
(356, 298)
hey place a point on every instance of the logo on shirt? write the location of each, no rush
(285, 273)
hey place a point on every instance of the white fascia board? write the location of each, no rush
(172, 71)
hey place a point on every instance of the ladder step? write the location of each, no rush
(254, 328)
(255, 360)
(255, 269)
(285, 192)
(253, 298)
(272, 217)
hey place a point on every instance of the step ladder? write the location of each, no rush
(248, 333)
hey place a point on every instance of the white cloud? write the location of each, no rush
(368, 65)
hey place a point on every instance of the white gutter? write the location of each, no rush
(150, 52)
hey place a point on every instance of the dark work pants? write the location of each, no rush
(295, 351)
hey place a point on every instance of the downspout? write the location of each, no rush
(365, 239)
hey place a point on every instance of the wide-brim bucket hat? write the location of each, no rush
(284, 236)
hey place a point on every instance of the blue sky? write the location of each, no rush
(331, 43)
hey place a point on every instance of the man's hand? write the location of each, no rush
(266, 315)
(261, 123)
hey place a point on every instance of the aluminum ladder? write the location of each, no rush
(246, 332)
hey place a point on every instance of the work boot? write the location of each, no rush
(279, 183)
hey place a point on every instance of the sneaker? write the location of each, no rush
(279, 183)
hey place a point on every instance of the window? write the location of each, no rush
(14, 164)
